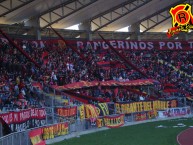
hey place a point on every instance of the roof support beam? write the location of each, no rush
(122, 58)
(63, 10)
(159, 17)
(12, 7)
(115, 13)
(2, 1)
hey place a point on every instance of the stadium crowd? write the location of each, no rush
(60, 66)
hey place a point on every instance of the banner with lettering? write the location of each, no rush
(114, 121)
(53, 131)
(67, 112)
(110, 83)
(93, 111)
(21, 120)
(174, 112)
(102, 109)
(99, 122)
(25, 119)
(36, 137)
(90, 111)
(127, 108)
(38, 116)
(140, 116)
(82, 112)
(117, 44)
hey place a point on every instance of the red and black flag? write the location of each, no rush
(45, 57)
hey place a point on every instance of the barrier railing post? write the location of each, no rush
(132, 117)
(46, 118)
(20, 140)
(12, 140)
(54, 97)
(53, 115)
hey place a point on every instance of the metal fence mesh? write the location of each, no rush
(22, 138)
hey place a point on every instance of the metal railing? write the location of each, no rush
(22, 138)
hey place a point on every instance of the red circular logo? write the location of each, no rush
(182, 17)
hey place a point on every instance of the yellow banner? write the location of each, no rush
(82, 114)
(91, 111)
(114, 121)
(55, 130)
(176, 69)
(144, 106)
(102, 109)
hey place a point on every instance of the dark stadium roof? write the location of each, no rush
(151, 17)
(104, 15)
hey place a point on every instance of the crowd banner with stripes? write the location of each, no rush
(102, 109)
(174, 112)
(117, 44)
(25, 119)
(67, 112)
(133, 107)
(36, 137)
(175, 68)
(82, 112)
(53, 131)
(114, 121)
(111, 121)
(94, 111)
(90, 111)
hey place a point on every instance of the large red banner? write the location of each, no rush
(67, 112)
(85, 84)
(36, 137)
(50, 132)
(24, 119)
(117, 44)
(114, 121)
(23, 115)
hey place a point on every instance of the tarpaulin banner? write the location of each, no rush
(36, 137)
(174, 112)
(93, 111)
(114, 121)
(137, 45)
(24, 119)
(141, 116)
(117, 44)
(152, 114)
(38, 116)
(99, 122)
(90, 111)
(102, 109)
(84, 84)
(111, 107)
(82, 112)
(21, 120)
(53, 131)
(67, 112)
(106, 65)
(176, 69)
(127, 108)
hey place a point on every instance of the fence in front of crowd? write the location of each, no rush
(60, 120)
